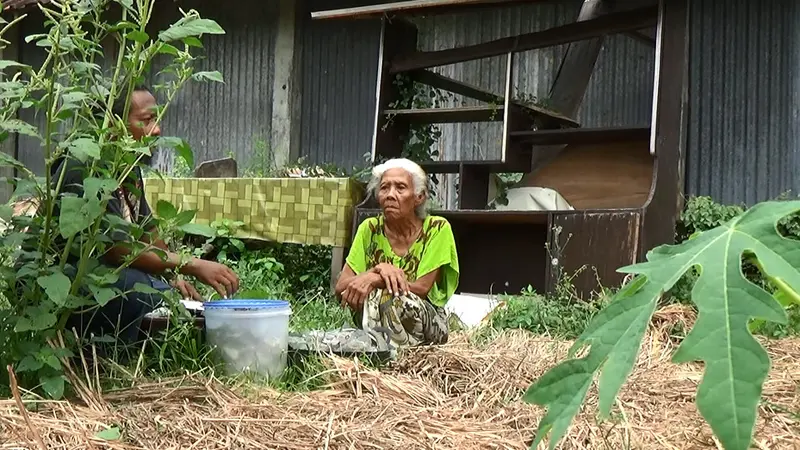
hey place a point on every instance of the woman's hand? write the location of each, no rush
(187, 290)
(394, 278)
(214, 274)
(359, 289)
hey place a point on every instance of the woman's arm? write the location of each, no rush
(347, 275)
(424, 284)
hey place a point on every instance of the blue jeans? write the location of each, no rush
(122, 316)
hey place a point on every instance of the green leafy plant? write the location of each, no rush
(54, 253)
(736, 364)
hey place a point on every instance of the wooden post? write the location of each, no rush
(669, 125)
(397, 37)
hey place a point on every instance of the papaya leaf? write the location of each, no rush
(736, 365)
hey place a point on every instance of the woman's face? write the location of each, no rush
(396, 194)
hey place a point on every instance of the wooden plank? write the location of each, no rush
(494, 166)
(397, 36)
(372, 11)
(599, 243)
(465, 114)
(670, 125)
(439, 81)
(473, 187)
(567, 136)
(612, 23)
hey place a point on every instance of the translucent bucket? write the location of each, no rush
(249, 335)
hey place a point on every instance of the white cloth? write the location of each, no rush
(534, 199)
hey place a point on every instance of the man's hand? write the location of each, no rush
(359, 289)
(213, 274)
(393, 278)
(187, 290)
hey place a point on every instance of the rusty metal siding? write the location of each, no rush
(742, 134)
(235, 117)
(338, 73)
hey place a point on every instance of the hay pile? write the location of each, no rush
(461, 396)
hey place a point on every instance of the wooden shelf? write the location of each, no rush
(448, 115)
(493, 166)
(581, 135)
(372, 11)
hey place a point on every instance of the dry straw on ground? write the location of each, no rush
(460, 396)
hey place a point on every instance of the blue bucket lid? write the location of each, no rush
(246, 304)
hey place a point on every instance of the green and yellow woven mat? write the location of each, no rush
(294, 210)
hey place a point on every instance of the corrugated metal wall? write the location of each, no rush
(339, 72)
(743, 121)
(235, 117)
(216, 119)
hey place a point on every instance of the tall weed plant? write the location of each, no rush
(51, 256)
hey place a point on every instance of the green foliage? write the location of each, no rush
(736, 365)
(562, 318)
(54, 267)
(307, 268)
(701, 214)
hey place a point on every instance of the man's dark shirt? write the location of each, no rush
(128, 202)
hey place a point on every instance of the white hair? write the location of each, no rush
(418, 178)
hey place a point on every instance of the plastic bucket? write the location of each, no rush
(249, 335)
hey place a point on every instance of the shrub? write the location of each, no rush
(52, 256)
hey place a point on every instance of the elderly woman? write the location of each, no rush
(402, 267)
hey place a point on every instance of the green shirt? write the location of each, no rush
(434, 248)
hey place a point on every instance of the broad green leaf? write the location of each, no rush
(74, 97)
(736, 365)
(19, 126)
(138, 36)
(190, 27)
(180, 146)
(166, 210)
(103, 295)
(8, 160)
(145, 289)
(197, 229)
(52, 361)
(109, 434)
(29, 364)
(98, 188)
(35, 319)
(167, 49)
(192, 41)
(77, 214)
(84, 149)
(53, 386)
(208, 76)
(185, 217)
(5, 64)
(56, 286)
(7, 212)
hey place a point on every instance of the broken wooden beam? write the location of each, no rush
(445, 83)
(373, 11)
(619, 22)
